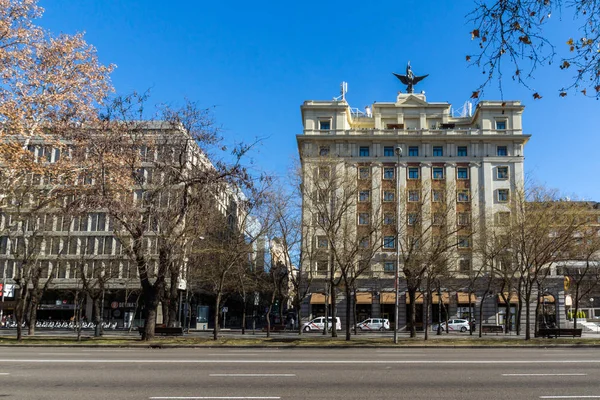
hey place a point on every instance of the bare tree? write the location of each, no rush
(542, 228)
(514, 35)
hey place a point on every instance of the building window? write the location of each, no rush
(363, 151)
(501, 125)
(501, 151)
(388, 173)
(464, 219)
(363, 218)
(461, 151)
(502, 195)
(412, 219)
(413, 173)
(502, 218)
(389, 266)
(438, 151)
(438, 172)
(325, 125)
(437, 196)
(464, 266)
(462, 173)
(364, 243)
(388, 195)
(389, 219)
(363, 196)
(438, 219)
(324, 151)
(322, 242)
(463, 196)
(464, 242)
(389, 242)
(413, 195)
(388, 151)
(364, 172)
(413, 151)
(502, 172)
(321, 266)
(324, 172)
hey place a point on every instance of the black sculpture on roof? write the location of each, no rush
(410, 79)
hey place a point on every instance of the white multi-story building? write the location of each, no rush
(473, 160)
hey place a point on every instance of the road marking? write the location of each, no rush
(252, 375)
(544, 374)
(254, 361)
(226, 397)
(64, 354)
(4, 373)
(569, 397)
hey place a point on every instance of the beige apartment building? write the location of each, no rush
(399, 154)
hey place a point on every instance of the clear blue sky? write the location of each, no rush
(258, 61)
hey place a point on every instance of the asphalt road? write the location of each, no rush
(244, 373)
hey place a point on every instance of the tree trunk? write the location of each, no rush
(32, 315)
(427, 313)
(151, 301)
(413, 312)
(20, 310)
(334, 333)
(216, 317)
(97, 315)
(348, 311)
(244, 315)
(527, 316)
(173, 303)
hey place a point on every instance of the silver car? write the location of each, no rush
(374, 324)
(457, 325)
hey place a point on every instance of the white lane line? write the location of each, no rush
(544, 374)
(569, 397)
(256, 361)
(64, 354)
(252, 375)
(226, 397)
(4, 373)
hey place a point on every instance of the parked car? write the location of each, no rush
(461, 325)
(318, 324)
(374, 324)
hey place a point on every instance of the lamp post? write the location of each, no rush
(593, 314)
(397, 270)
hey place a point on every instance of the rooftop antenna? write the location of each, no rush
(343, 91)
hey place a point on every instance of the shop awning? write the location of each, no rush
(387, 298)
(419, 298)
(364, 298)
(318, 298)
(435, 299)
(463, 298)
(514, 298)
(547, 298)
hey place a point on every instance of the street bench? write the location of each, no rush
(556, 332)
(164, 331)
(492, 329)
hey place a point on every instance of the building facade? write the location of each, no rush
(403, 160)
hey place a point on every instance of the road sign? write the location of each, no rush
(225, 309)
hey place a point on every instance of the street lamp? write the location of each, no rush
(397, 271)
(593, 314)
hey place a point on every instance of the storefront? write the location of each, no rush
(503, 308)
(387, 302)
(317, 305)
(364, 305)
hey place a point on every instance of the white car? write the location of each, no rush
(374, 324)
(461, 325)
(318, 324)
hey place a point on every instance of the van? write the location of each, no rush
(318, 324)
